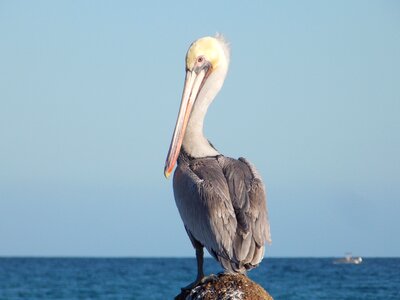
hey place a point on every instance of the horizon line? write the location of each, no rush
(169, 257)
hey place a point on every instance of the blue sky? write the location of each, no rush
(90, 90)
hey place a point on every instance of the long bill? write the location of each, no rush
(193, 84)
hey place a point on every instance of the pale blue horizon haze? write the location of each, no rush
(89, 95)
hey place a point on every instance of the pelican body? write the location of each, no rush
(221, 200)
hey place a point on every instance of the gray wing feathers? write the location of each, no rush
(249, 202)
(205, 208)
(257, 193)
(222, 204)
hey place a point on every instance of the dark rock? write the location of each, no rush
(226, 287)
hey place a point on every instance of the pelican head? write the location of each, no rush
(214, 51)
(207, 62)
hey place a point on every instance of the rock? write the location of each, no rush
(226, 287)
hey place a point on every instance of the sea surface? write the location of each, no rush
(161, 278)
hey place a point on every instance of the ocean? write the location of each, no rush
(161, 278)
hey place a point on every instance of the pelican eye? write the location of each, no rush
(201, 64)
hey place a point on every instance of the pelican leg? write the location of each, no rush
(200, 273)
(200, 260)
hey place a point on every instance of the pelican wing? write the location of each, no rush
(258, 206)
(248, 198)
(222, 204)
(203, 201)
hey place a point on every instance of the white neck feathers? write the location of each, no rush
(194, 142)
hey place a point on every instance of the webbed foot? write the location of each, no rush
(200, 280)
(192, 285)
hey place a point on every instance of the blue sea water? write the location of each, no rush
(161, 278)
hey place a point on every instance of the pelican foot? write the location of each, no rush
(190, 286)
(200, 281)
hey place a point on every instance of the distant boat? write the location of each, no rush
(348, 259)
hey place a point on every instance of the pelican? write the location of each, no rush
(221, 200)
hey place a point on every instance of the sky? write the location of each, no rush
(90, 91)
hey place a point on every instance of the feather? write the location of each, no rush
(222, 204)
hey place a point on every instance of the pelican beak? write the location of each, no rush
(193, 83)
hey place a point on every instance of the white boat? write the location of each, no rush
(348, 259)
